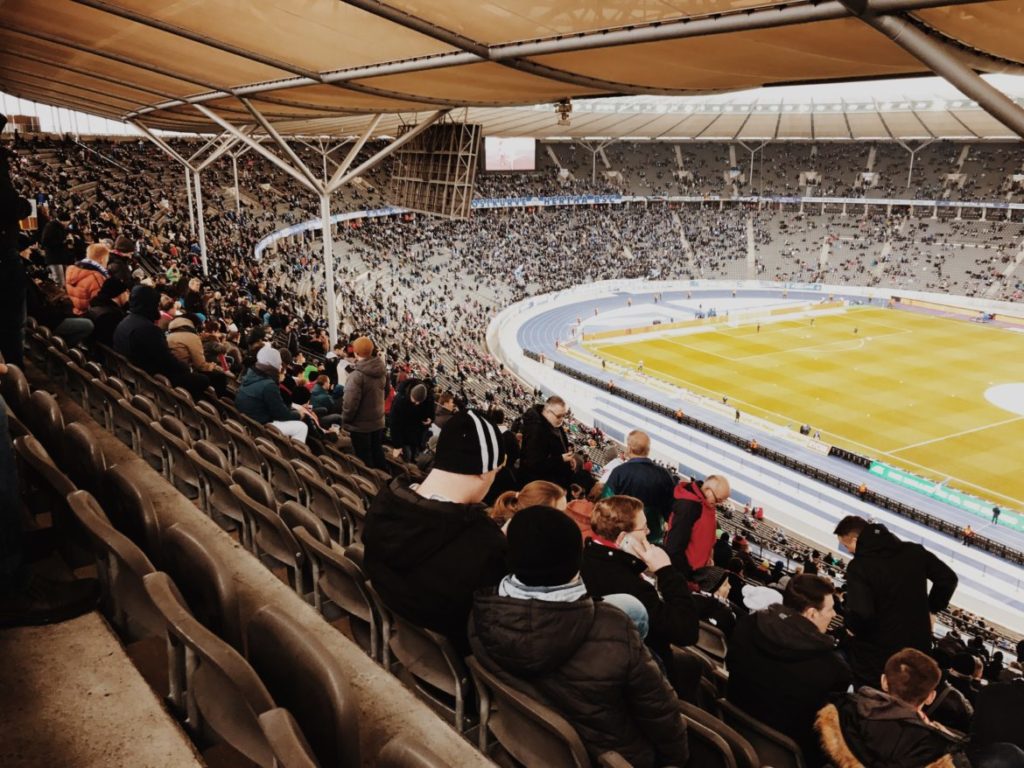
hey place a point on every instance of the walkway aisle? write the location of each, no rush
(71, 698)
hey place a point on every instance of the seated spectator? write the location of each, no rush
(994, 669)
(641, 478)
(259, 397)
(721, 553)
(690, 537)
(106, 310)
(508, 478)
(951, 708)
(539, 493)
(615, 561)
(320, 397)
(429, 547)
(712, 598)
(543, 634)
(138, 338)
(446, 408)
(184, 342)
(86, 277)
(997, 714)
(783, 667)
(889, 727)
(580, 508)
(50, 306)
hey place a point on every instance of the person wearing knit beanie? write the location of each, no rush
(544, 547)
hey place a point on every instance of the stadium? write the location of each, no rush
(462, 384)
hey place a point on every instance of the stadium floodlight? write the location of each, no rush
(564, 108)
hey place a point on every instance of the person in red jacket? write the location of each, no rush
(86, 277)
(690, 538)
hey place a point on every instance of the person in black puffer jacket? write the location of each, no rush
(541, 633)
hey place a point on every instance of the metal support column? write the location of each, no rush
(202, 223)
(944, 60)
(238, 200)
(329, 278)
(191, 204)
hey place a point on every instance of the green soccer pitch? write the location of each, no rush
(900, 387)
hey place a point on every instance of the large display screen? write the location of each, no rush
(518, 154)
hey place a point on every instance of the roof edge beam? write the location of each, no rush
(387, 151)
(259, 148)
(345, 164)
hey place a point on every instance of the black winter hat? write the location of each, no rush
(469, 445)
(544, 547)
(112, 288)
(710, 578)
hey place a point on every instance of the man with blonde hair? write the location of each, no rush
(86, 277)
(642, 479)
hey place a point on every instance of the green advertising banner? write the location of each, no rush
(951, 496)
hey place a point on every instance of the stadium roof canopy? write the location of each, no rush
(192, 65)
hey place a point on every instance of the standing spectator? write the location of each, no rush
(546, 453)
(86, 277)
(996, 511)
(888, 603)
(615, 560)
(106, 310)
(642, 479)
(138, 338)
(259, 397)
(54, 241)
(783, 666)
(363, 404)
(690, 538)
(721, 553)
(429, 547)
(583, 658)
(411, 414)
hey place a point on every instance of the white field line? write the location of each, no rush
(958, 434)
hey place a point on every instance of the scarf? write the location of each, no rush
(563, 593)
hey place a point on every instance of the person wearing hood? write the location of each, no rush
(362, 408)
(86, 277)
(259, 397)
(106, 310)
(429, 547)
(783, 667)
(888, 728)
(138, 338)
(541, 633)
(546, 453)
(185, 344)
(888, 603)
(690, 536)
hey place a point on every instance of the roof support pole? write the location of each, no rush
(332, 183)
(273, 134)
(201, 215)
(329, 278)
(238, 199)
(254, 145)
(943, 60)
(913, 154)
(191, 204)
(387, 151)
